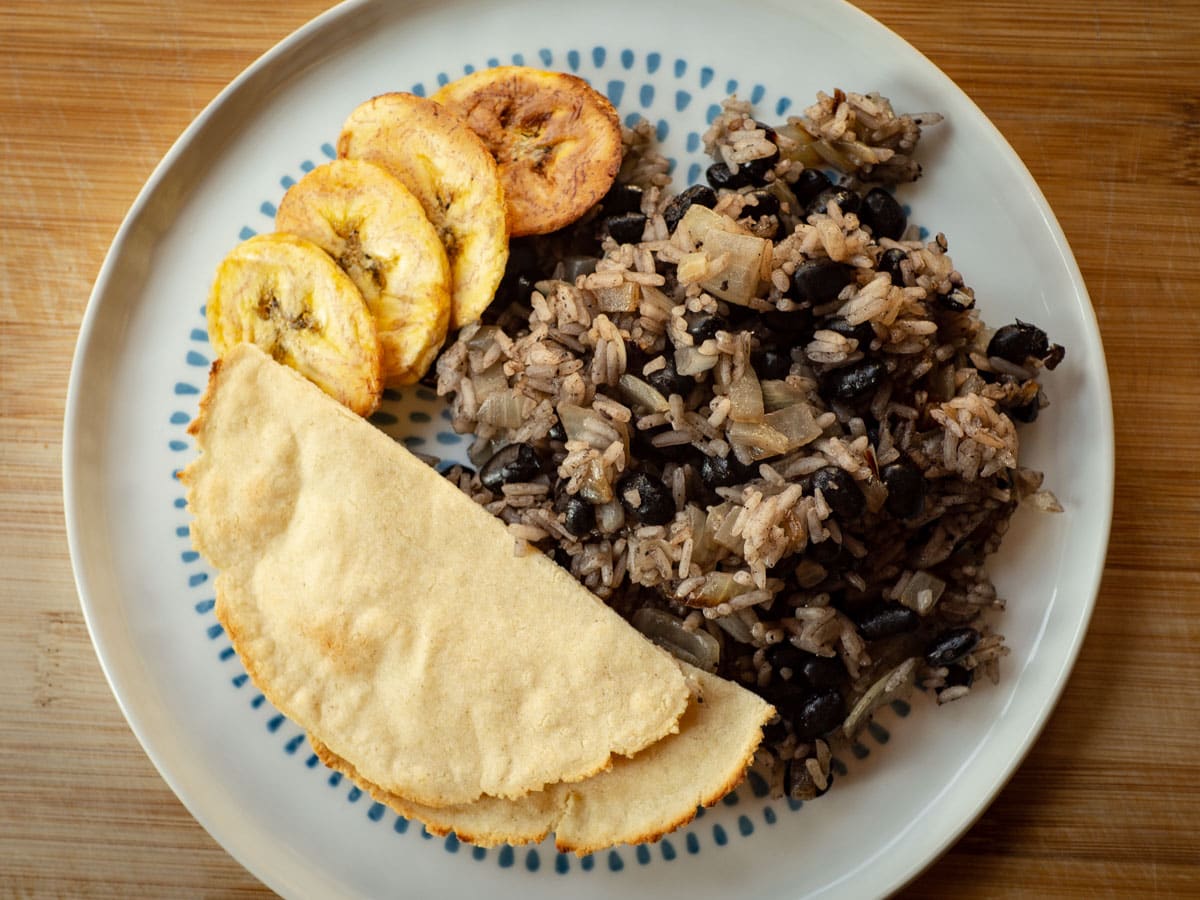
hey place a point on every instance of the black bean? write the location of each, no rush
(819, 715)
(721, 471)
(958, 300)
(1018, 342)
(511, 464)
(847, 200)
(562, 557)
(626, 228)
(823, 671)
(862, 332)
(840, 492)
(787, 327)
(1026, 413)
(960, 676)
(720, 176)
(890, 262)
(756, 169)
(775, 732)
(855, 382)
(906, 490)
(520, 273)
(828, 553)
(886, 620)
(645, 449)
(767, 205)
(574, 266)
(653, 504)
(810, 183)
(623, 198)
(951, 646)
(798, 782)
(579, 516)
(697, 193)
(883, 215)
(702, 326)
(771, 362)
(786, 655)
(668, 381)
(557, 432)
(820, 280)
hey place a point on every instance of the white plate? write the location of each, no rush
(243, 771)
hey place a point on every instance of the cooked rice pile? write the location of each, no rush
(797, 488)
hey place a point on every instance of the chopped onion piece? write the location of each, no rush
(922, 592)
(610, 514)
(625, 297)
(720, 523)
(746, 398)
(892, 686)
(778, 394)
(749, 265)
(484, 337)
(756, 440)
(504, 409)
(690, 361)
(796, 424)
(718, 587)
(489, 381)
(698, 647)
(639, 393)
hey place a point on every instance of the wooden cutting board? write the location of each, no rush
(1102, 101)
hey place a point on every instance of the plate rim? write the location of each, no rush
(74, 413)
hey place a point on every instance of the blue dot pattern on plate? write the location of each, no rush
(678, 97)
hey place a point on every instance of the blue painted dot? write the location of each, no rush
(258, 701)
(443, 79)
(246, 233)
(381, 418)
(177, 445)
(189, 556)
(426, 834)
(712, 112)
(335, 779)
(354, 794)
(518, 59)
(682, 99)
(653, 61)
(758, 784)
(545, 56)
(562, 864)
(901, 708)
(573, 60)
(794, 805)
(626, 60)
(632, 119)
(859, 750)
(239, 680)
(182, 387)
(451, 843)
(492, 62)
(506, 857)
(615, 863)
(375, 813)
(312, 761)
(837, 766)
(642, 854)
(307, 166)
(599, 54)
(468, 69)
(447, 415)
(418, 416)
(392, 394)
(478, 852)
(205, 605)
(692, 843)
(661, 129)
(448, 438)
(200, 335)
(532, 861)
(214, 631)
(413, 441)
(923, 233)
(745, 826)
(400, 825)
(646, 94)
(668, 850)
(587, 863)
(756, 93)
(198, 578)
(878, 732)
(720, 836)
(680, 67)
(426, 394)
(730, 799)
(227, 653)
(693, 141)
(296, 743)
(731, 86)
(196, 359)
(180, 418)
(782, 106)
(418, 89)
(701, 812)
(287, 181)
(274, 723)
(693, 173)
(328, 151)
(671, 164)
(267, 209)
(615, 91)
(769, 815)
(180, 502)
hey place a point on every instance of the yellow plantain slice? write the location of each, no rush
(558, 142)
(366, 219)
(450, 171)
(287, 296)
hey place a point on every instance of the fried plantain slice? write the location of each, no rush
(557, 141)
(368, 221)
(451, 172)
(287, 296)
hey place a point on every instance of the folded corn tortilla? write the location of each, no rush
(637, 800)
(385, 613)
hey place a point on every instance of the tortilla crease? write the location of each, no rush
(637, 800)
(383, 611)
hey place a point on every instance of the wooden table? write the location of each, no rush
(1102, 101)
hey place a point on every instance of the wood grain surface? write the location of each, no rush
(1102, 101)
